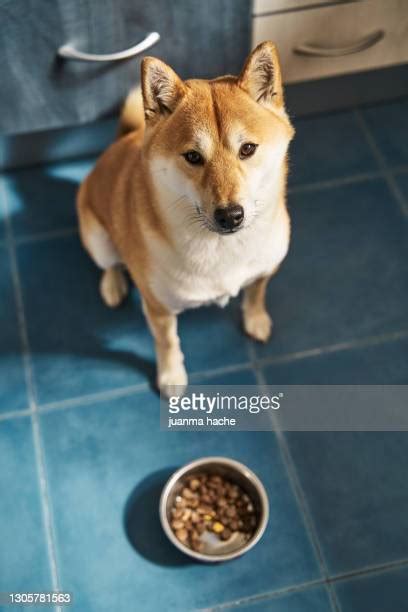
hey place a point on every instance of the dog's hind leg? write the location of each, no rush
(114, 286)
(96, 240)
(257, 322)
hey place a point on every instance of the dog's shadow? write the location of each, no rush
(60, 286)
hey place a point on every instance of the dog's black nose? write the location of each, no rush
(229, 217)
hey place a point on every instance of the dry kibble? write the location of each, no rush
(218, 527)
(233, 493)
(206, 510)
(187, 493)
(231, 511)
(180, 502)
(194, 484)
(186, 515)
(195, 535)
(182, 535)
(221, 502)
(226, 534)
(177, 512)
(211, 503)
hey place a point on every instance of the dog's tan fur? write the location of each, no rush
(145, 207)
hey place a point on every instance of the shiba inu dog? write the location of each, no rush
(191, 199)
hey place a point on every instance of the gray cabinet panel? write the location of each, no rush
(200, 38)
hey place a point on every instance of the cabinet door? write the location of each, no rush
(40, 91)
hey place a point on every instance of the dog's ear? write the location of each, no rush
(261, 76)
(161, 87)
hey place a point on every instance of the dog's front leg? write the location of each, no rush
(171, 373)
(257, 322)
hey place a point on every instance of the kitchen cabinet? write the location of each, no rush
(40, 91)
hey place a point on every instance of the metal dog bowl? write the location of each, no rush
(215, 550)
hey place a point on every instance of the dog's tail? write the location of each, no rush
(132, 115)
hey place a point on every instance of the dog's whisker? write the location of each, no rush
(178, 200)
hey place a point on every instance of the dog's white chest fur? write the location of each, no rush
(207, 267)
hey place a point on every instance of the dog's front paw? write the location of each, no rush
(258, 326)
(172, 381)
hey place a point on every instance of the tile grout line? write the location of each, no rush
(364, 572)
(296, 588)
(334, 348)
(373, 570)
(298, 492)
(335, 182)
(15, 414)
(47, 512)
(381, 161)
(30, 386)
(237, 367)
(17, 294)
(99, 396)
(44, 236)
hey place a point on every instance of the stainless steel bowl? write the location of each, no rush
(214, 549)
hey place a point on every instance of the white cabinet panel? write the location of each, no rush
(331, 40)
(270, 6)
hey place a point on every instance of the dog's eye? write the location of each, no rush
(247, 149)
(193, 157)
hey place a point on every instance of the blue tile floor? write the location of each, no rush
(81, 454)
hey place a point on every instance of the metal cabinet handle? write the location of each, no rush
(69, 52)
(311, 50)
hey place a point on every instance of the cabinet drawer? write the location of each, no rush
(337, 39)
(41, 91)
(272, 6)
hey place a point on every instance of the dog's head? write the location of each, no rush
(217, 146)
